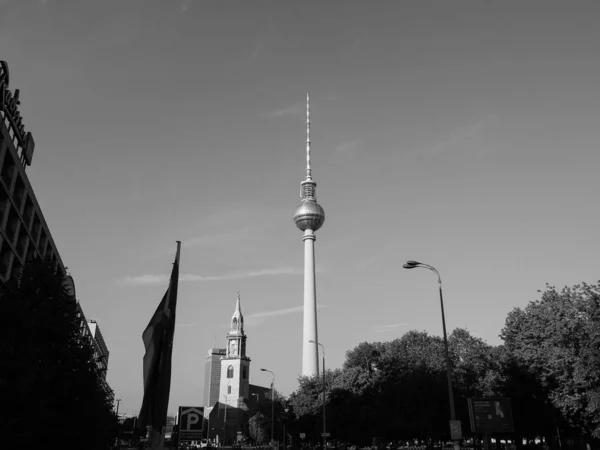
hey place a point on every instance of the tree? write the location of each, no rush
(365, 355)
(258, 427)
(556, 340)
(471, 361)
(50, 384)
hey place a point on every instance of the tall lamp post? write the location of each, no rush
(225, 419)
(208, 431)
(324, 435)
(272, 402)
(455, 430)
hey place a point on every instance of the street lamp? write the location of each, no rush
(324, 435)
(272, 402)
(225, 418)
(454, 426)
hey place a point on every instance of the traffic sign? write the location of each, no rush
(302, 435)
(325, 434)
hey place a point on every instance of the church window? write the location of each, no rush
(234, 322)
(230, 372)
(244, 373)
(229, 389)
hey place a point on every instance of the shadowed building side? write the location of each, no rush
(24, 233)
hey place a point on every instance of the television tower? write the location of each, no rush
(309, 218)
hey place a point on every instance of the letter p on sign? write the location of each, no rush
(193, 419)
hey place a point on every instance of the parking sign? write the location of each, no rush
(191, 421)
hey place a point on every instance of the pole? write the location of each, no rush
(272, 409)
(208, 431)
(323, 435)
(448, 363)
(118, 443)
(324, 400)
(272, 403)
(456, 442)
(133, 431)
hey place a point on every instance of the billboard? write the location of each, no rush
(490, 415)
(191, 420)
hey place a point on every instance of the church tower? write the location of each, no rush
(235, 365)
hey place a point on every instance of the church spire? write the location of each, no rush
(237, 320)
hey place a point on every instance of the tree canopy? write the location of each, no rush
(548, 366)
(50, 384)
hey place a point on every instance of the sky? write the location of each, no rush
(460, 134)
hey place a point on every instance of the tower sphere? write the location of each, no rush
(309, 215)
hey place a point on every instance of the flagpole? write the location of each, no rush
(178, 251)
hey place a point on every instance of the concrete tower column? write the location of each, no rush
(310, 355)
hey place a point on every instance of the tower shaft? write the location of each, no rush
(310, 355)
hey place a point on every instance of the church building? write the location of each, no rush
(235, 365)
(228, 401)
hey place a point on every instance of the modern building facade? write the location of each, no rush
(309, 218)
(100, 353)
(212, 376)
(24, 233)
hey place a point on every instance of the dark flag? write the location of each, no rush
(158, 340)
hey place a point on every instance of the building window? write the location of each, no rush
(229, 389)
(230, 372)
(244, 372)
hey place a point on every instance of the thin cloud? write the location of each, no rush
(152, 279)
(296, 108)
(467, 140)
(185, 5)
(383, 328)
(346, 147)
(220, 238)
(142, 280)
(241, 275)
(260, 317)
(257, 51)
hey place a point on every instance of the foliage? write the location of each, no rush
(556, 338)
(50, 384)
(258, 427)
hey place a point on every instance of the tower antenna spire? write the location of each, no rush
(308, 170)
